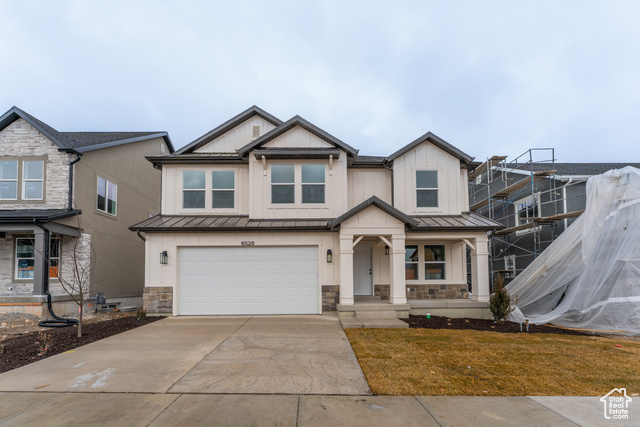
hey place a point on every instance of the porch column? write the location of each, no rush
(480, 270)
(346, 269)
(41, 266)
(398, 292)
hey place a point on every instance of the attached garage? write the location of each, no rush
(248, 280)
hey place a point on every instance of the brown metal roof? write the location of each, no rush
(465, 221)
(213, 223)
(185, 223)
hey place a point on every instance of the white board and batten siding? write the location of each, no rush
(364, 183)
(452, 198)
(260, 205)
(237, 137)
(248, 280)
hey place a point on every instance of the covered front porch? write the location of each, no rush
(388, 255)
(32, 249)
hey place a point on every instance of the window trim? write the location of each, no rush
(20, 180)
(16, 180)
(416, 263)
(288, 184)
(213, 190)
(203, 189)
(443, 262)
(106, 197)
(314, 184)
(297, 185)
(32, 243)
(26, 180)
(436, 189)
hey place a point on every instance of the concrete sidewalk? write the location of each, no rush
(120, 409)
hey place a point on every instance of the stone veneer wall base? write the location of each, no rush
(330, 297)
(158, 299)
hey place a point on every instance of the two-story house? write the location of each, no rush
(261, 216)
(66, 200)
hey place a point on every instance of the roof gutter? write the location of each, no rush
(71, 151)
(385, 164)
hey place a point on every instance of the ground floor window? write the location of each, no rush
(26, 257)
(430, 257)
(434, 262)
(411, 262)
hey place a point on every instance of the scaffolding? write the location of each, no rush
(522, 194)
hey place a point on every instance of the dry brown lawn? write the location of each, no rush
(474, 363)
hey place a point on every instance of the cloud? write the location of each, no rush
(490, 77)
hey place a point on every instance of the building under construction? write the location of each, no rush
(534, 197)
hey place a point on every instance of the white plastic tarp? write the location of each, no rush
(589, 278)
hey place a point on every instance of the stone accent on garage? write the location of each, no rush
(158, 299)
(330, 297)
(437, 291)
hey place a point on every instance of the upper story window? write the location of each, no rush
(26, 258)
(222, 190)
(208, 189)
(32, 179)
(22, 180)
(107, 196)
(427, 189)
(312, 183)
(311, 187)
(9, 180)
(193, 189)
(283, 183)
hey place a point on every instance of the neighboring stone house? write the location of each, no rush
(535, 201)
(261, 216)
(66, 195)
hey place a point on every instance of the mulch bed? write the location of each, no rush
(22, 350)
(439, 322)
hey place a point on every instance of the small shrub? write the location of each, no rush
(44, 342)
(500, 301)
(142, 314)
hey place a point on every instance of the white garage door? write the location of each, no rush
(248, 280)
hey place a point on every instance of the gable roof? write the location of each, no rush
(80, 141)
(227, 126)
(438, 142)
(380, 204)
(290, 124)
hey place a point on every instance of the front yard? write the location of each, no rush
(477, 363)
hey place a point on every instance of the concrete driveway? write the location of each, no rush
(253, 355)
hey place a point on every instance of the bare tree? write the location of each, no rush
(75, 282)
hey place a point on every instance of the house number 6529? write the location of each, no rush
(248, 243)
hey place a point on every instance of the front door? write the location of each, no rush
(362, 271)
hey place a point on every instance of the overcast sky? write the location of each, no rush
(490, 77)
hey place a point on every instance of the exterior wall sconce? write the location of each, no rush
(386, 250)
(329, 255)
(164, 258)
